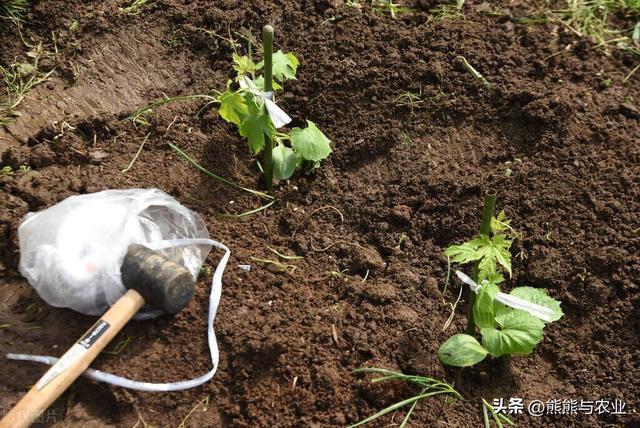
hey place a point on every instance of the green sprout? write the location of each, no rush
(248, 108)
(504, 330)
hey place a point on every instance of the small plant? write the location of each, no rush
(505, 330)
(429, 388)
(251, 107)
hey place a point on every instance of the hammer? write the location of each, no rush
(149, 278)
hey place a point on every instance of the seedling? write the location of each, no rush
(252, 109)
(505, 330)
(430, 388)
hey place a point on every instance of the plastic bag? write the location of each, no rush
(71, 253)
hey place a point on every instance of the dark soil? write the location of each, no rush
(401, 185)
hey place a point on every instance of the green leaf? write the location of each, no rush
(284, 162)
(483, 312)
(500, 249)
(540, 297)
(254, 127)
(488, 251)
(243, 65)
(500, 223)
(259, 81)
(520, 332)
(467, 252)
(232, 107)
(310, 143)
(284, 65)
(461, 350)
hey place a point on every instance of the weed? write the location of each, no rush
(595, 19)
(498, 418)
(429, 388)
(124, 171)
(475, 73)
(19, 79)
(13, 10)
(219, 178)
(203, 405)
(410, 99)
(449, 10)
(118, 346)
(289, 269)
(388, 6)
(135, 7)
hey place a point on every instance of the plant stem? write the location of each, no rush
(267, 42)
(485, 229)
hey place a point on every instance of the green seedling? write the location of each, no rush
(504, 330)
(388, 6)
(250, 108)
(429, 388)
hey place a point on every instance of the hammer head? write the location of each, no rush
(163, 284)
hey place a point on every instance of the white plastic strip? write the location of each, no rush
(278, 116)
(214, 300)
(541, 312)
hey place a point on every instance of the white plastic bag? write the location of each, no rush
(62, 255)
(71, 253)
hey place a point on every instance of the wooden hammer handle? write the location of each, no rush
(73, 363)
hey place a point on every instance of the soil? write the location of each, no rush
(559, 139)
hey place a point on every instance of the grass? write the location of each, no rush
(449, 10)
(499, 419)
(388, 6)
(18, 79)
(138, 117)
(599, 21)
(429, 388)
(125, 170)
(13, 10)
(202, 169)
(475, 73)
(135, 7)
